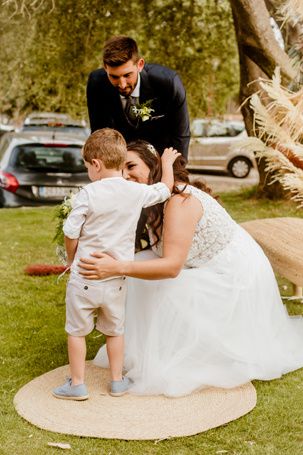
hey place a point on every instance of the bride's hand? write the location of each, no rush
(99, 267)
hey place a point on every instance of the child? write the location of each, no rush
(104, 217)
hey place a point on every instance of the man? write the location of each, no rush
(141, 101)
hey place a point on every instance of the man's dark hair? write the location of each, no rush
(119, 50)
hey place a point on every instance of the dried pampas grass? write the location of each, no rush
(291, 11)
(278, 124)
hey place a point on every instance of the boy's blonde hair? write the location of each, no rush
(107, 145)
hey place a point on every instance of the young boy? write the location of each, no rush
(104, 217)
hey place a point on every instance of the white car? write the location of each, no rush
(217, 146)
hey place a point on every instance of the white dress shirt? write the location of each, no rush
(105, 215)
(135, 93)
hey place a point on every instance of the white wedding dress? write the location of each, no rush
(220, 323)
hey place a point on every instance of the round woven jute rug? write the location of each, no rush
(130, 416)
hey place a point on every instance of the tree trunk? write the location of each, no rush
(259, 54)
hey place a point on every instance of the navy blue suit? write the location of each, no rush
(169, 123)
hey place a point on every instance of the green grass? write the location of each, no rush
(33, 342)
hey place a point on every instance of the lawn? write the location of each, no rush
(33, 342)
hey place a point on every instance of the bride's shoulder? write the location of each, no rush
(185, 192)
(186, 203)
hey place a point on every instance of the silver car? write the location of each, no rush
(217, 146)
(40, 168)
(52, 121)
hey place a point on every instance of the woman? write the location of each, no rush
(203, 308)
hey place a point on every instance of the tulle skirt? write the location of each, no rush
(222, 324)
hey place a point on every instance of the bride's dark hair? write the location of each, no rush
(148, 154)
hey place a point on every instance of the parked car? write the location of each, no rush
(6, 124)
(41, 121)
(216, 146)
(5, 128)
(45, 116)
(39, 168)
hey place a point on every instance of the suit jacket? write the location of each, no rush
(169, 123)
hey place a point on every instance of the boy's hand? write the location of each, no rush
(69, 262)
(70, 248)
(169, 156)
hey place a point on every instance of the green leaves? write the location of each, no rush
(61, 213)
(49, 54)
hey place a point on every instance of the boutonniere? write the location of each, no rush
(143, 111)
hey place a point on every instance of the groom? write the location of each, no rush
(141, 101)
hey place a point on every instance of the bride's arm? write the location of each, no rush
(180, 220)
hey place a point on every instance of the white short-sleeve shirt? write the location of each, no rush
(105, 215)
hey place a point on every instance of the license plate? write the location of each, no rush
(55, 191)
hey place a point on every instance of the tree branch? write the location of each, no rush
(27, 7)
(257, 38)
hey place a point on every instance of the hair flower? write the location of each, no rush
(152, 149)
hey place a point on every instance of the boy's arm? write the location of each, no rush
(70, 248)
(73, 224)
(167, 159)
(161, 191)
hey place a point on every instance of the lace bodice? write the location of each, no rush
(213, 232)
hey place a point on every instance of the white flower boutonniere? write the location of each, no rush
(144, 110)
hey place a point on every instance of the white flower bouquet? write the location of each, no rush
(61, 213)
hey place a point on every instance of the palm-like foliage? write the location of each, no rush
(278, 116)
(291, 11)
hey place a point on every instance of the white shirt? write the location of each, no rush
(105, 215)
(134, 94)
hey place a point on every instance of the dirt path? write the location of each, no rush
(221, 183)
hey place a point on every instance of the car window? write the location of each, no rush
(48, 158)
(217, 130)
(198, 128)
(236, 128)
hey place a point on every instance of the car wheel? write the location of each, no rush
(240, 167)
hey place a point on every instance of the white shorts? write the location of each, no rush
(104, 300)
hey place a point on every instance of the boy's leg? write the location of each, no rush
(74, 387)
(79, 320)
(111, 323)
(77, 355)
(115, 352)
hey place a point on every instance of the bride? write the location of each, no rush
(203, 307)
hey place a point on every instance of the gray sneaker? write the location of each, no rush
(119, 388)
(68, 391)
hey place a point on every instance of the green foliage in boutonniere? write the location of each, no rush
(143, 111)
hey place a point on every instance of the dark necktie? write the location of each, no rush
(129, 110)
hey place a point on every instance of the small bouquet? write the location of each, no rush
(61, 213)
